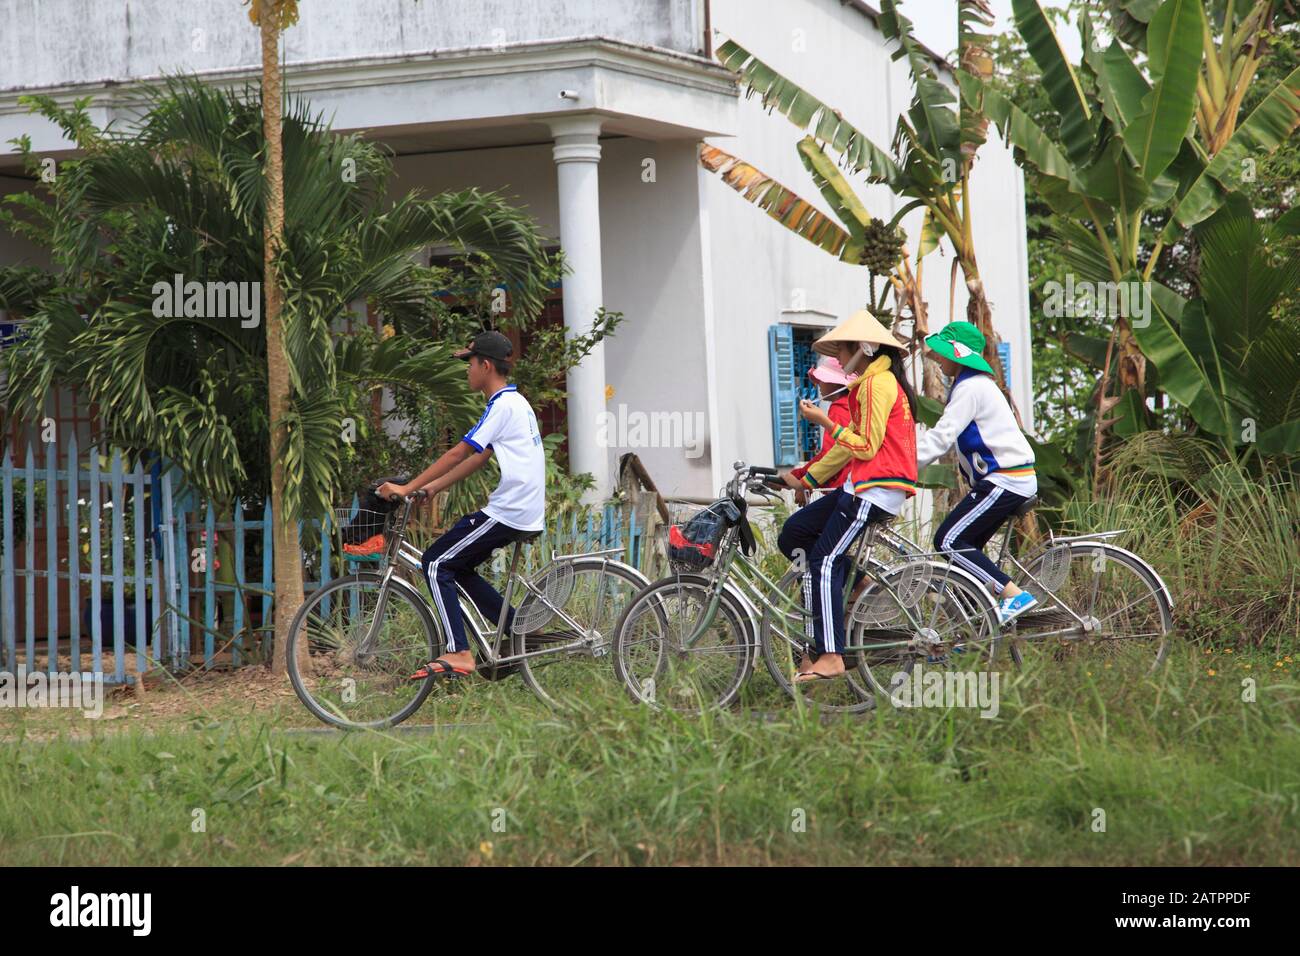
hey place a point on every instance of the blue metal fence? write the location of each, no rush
(157, 601)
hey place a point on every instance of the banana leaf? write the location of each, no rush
(1055, 482)
(1120, 84)
(834, 187)
(937, 127)
(1289, 223)
(1175, 49)
(974, 19)
(804, 110)
(1089, 348)
(937, 476)
(1020, 130)
(1128, 20)
(1059, 79)
(1113, 179)
(1268, 126)
(784, 205)
(1182, 375)
(928, 410)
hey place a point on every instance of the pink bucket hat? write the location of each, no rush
(828, 370)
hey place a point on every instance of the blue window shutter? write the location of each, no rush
(785, 419)
(1004, 356)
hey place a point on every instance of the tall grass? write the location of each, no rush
(1226, 540)
(1079, 767)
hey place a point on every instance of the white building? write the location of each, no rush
(563, 105)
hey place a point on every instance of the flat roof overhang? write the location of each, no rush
(452, 99)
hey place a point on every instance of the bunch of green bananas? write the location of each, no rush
(882, 247)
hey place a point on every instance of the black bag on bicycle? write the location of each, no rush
(694, 545)
(372, 514)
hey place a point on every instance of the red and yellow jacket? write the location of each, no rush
(839, 414)
(879, 444)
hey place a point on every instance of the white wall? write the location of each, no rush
(52, 42)
(652, 260)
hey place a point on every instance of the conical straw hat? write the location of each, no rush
(861, 326)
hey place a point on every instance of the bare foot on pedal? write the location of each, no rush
(826, 667)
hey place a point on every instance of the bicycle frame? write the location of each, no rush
(400, 553)
(1081, 627)
(732, 559)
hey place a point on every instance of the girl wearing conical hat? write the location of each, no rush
(879, 448)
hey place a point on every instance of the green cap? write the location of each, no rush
(963, 343)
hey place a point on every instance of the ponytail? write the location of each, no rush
(899, 370)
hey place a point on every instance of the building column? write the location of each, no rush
(577, 158)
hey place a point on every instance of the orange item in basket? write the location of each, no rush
(372, 545)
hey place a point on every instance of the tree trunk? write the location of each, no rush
(288, 553)
(980, 315)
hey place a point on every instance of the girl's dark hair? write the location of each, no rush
(896, 365)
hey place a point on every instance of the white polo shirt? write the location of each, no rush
(509, 427)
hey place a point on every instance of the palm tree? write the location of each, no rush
(288, 576)
(182, 193)
(1127, 150)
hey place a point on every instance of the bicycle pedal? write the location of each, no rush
(496, 672)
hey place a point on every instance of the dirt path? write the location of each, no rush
(168, 704)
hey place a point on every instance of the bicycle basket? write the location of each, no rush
(694, 537)
(363, 531)
(537, 609)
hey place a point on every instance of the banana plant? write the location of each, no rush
(1231, 355)
(1235, 36)
(928, 162)
(1127, 149)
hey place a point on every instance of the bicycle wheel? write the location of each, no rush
(785, 643)
(657, 665)
(1126, 610)
(922, 613)
(354, 681)
(597, 591)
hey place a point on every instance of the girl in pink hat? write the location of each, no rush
(830, 377)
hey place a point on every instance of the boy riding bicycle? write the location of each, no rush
(516, 509)
(995, 458)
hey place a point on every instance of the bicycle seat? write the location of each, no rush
(526, 536)
(1030, 504)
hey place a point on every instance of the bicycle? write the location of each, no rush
(1089, 591)
(367, 632)
(690, 640)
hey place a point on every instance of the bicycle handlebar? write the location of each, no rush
(418, 495)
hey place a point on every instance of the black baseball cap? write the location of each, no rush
(488, 345)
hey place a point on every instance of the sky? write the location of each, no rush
(935, 23)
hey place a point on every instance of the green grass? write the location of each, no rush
(1185, 771)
